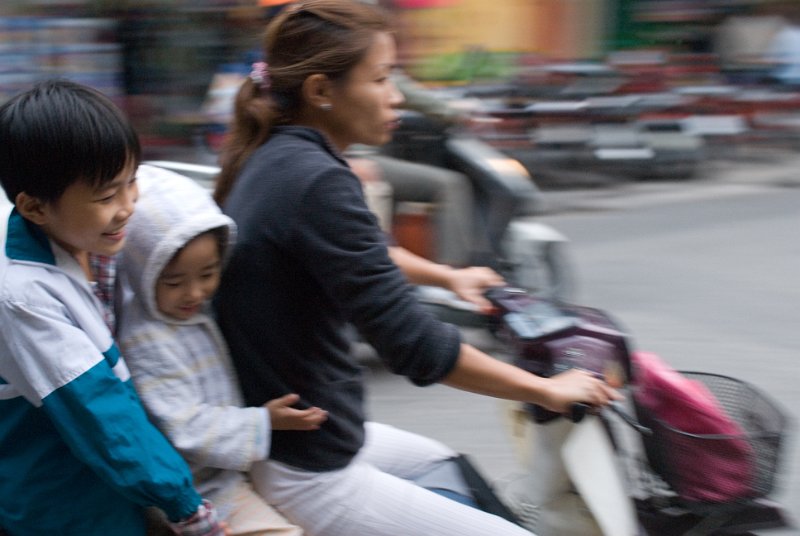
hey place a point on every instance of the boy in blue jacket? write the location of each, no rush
(78, 456)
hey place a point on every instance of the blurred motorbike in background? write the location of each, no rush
(527, 252)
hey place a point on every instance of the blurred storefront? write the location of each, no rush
(559, 28)
(86, 49)
(441, 38)
(166, 60)
(441, 41)
(155, 58)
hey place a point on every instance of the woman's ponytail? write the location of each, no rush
(252, 121)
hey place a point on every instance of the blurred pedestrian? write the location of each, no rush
(783, 54)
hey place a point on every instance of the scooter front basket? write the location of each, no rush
(708, 467)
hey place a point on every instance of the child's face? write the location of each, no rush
(89, 219)
(190, 278)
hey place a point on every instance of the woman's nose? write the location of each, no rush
(396, 98)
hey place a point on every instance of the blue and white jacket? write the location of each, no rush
(77, 453)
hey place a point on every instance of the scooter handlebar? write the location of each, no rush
(578, 411)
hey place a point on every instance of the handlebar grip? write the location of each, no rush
(575, 414)
(578, 411)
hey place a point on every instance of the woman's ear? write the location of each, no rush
(317, 91)
(31, 208)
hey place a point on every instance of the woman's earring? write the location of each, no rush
(326, 106)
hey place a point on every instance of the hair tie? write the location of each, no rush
(260, 75)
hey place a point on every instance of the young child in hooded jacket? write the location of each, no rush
(170, 268)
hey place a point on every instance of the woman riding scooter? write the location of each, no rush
(311, 258)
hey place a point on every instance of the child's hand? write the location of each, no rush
(204, 522)
(284, 417)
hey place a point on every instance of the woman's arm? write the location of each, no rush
(480, 373)
(419, 270)
(467, 283)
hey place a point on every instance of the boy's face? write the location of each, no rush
(190, 278)
(88, 219)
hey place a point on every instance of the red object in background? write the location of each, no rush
(418, 4)
(412, 228)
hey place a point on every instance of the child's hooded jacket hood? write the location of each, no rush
(172, 210)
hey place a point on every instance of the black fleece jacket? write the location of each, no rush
(309, 258)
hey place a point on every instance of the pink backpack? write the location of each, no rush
(683, 414)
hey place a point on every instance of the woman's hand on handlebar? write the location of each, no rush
(578, 387)
(470, 283)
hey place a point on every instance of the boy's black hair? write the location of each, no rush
(60, 132)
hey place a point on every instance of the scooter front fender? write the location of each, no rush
(593, 467)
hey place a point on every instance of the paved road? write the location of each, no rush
(702, 272)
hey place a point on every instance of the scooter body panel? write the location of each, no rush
(544, 498)
(591, 463)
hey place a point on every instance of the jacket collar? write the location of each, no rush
(27, 242)
(311, 134)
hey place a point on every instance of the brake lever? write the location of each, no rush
(629, 419)
(579, 410)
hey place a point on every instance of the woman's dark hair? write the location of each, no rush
(308, 37)
(58, 133)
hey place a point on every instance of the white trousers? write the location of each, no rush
(372, 496)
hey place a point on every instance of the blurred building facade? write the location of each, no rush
(156, 59)
(159, 58)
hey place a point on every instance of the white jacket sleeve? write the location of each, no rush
(195, 401)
